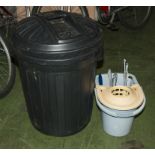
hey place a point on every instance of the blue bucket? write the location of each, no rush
(118, 122)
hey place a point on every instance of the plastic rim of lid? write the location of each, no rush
(120, 97)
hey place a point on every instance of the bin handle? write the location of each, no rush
(57, 15)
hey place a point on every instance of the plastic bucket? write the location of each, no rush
(118, 122)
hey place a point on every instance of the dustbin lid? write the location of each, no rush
(57, 32)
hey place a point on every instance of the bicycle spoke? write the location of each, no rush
(3, 62)
(5, 70)
(135, 16)
(3, 77)
(1, 49)
(6, 75)
(3, 58)
(3, 82)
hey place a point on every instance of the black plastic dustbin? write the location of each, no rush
(57, 54)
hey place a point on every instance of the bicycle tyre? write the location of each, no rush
(126, 13)
(8, 81)
(83, 9)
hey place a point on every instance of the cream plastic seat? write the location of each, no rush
(120, 97)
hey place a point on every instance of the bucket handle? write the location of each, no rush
(136, 112)
(120, 113)
(133, 77)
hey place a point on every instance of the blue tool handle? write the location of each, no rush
(100, 79)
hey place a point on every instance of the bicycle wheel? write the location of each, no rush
(134, 17)
(75, 9)
(7, 68)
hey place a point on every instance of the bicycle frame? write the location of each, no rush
(114, 12)
(111, 12)
(8, 13)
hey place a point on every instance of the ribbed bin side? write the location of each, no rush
(59, 103)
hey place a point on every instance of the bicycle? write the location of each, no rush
(131, 17)
(8, 18)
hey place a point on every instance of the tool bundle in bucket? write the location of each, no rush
(119, 91)
(119, 95)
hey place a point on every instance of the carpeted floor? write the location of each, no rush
(138, 47)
